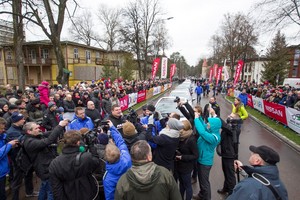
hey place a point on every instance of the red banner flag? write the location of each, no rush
(219, 75)
(155, 67)
(210, 74)
(215, 71)
(238, 71)
(172, 71)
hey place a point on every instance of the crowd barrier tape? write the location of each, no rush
(285, 115)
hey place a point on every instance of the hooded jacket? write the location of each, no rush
(167, 142)
(242, 112)
(244, 98)
(78, 123)
(44, 93)
(250, 188)
(147, 181)
(208, 139)
(115, 170)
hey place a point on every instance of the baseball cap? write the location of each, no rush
(266, 153)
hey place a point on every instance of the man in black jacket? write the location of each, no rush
(71, 172)
(40, 152)
(214, 105)
(116, 117)
(92, 112)
(228, 150)
(49, 120)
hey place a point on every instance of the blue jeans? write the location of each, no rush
(185, 185)
(45, 191)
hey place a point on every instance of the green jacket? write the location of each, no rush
(147, 181)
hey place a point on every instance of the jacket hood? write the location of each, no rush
(215, 124)
(143, 177)
(170, 132)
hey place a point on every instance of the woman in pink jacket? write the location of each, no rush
(44, 94)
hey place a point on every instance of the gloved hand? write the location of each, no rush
(151, 120)
(159, 115)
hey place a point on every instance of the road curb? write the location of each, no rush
(292, 144)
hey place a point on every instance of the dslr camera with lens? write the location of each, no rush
(177, 100)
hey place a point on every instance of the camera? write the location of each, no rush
(234, 121)
(131, 116)
(177, 100)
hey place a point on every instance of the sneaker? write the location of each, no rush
(222, 191)
(34, 194)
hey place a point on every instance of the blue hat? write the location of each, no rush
(61, 109)
(16, 116)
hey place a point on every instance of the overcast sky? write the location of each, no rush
(194, 22)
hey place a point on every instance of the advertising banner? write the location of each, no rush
(226, 74)
(159, 89)
(210, 74)
(155, 67)
(293, 119)
(237, 93)
(132, 99)
(250, 102)
(124, 103)
(164, 67)
(275, 111)
(141, 96)
(219, 75)
(215, 72)
(172, 71)
(258, 104)
(238, 71)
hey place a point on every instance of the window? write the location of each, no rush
(76, 54)
(45, 53)
(88, 56)
(32, 54)
(9, 55)
(97, 54)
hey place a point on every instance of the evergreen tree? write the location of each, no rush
(109, 72)
(127, 69)
(277, 65)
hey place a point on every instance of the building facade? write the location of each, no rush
(82, 62)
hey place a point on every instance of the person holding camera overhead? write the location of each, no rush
(71, 173)
(118, 161)
(116, 117)
(80, 120)
(209, 138)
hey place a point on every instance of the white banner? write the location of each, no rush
(132, 99)
(293, 119)
(159, 89)
(237, 93)
(155, 91)
(164, 67)
(258, 104)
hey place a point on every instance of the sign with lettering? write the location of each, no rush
(275, 111)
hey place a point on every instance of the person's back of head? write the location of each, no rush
(72, 138)
(141, 152)
(112, 153)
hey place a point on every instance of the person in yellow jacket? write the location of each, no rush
(239, 108)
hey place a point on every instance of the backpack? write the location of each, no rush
(23, 160)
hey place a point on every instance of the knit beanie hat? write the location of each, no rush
(50, 104)
(175, 124)
(151, 108)
(128, 129)
(103, 138)
(16, 116)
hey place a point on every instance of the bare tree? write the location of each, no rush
(140, 18)
(111, 19)
(278, 14)
(238, 38)
(18, 41)
(82, 28)
(160, 38)
(49, 15)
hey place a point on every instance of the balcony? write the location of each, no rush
(37, 61)
(76, 60)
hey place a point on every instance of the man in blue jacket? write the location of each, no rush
(4, 149)
(118, 161)
(263, 175)
(199, 92)
(80, 120)
(244, 97)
